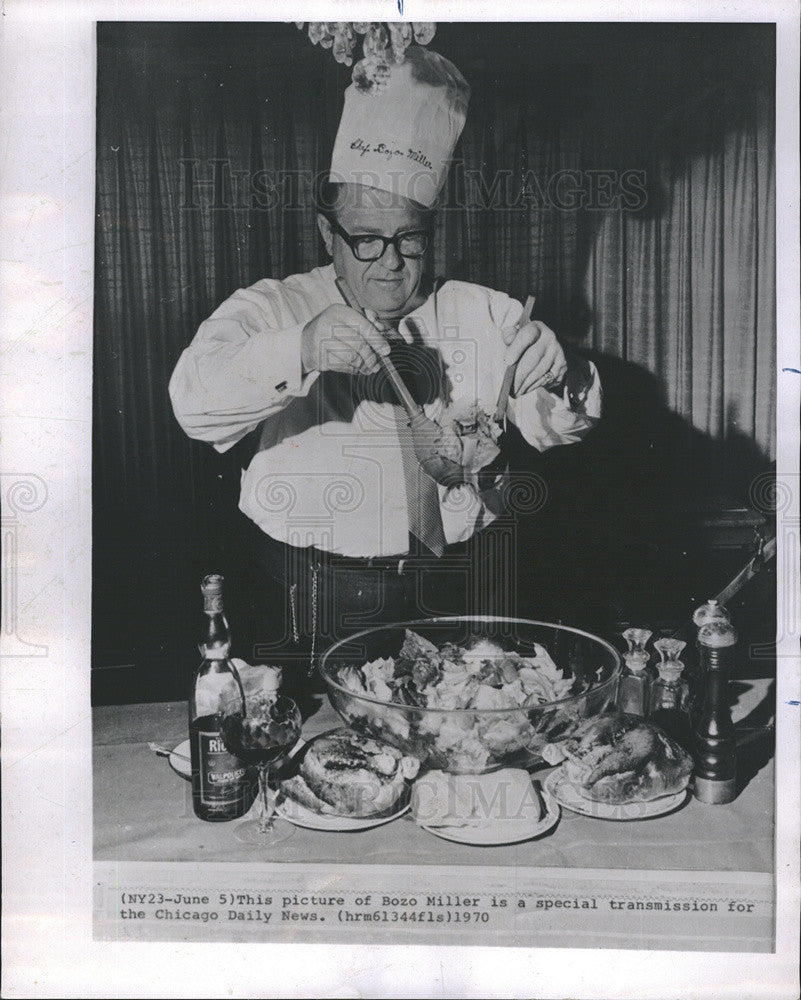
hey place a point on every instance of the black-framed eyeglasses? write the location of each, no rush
(373, 247)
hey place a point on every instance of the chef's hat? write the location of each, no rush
(401, 138)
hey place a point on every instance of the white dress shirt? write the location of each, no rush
(329, 470)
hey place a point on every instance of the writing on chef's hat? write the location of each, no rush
(401, 139)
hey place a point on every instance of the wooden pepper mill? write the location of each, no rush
(710, 612)
(714, 747)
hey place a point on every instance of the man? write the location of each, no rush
(349, 526)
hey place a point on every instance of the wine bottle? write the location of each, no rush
(223, 788)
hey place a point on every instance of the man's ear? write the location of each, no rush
(326, 232)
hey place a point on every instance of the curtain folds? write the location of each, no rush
(207, 144)
(204, 189)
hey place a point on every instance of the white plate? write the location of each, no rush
(178, 763)
(568, 795)
(181, 763)
(301, 816)
(492, 833)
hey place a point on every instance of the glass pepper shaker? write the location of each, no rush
(669, 703)
(637, 676)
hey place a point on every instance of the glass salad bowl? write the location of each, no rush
(470, 694)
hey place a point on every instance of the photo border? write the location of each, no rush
(47, 280)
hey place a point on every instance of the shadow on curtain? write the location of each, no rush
(655, 255)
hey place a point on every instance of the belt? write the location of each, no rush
(280, 555)
(303, 571)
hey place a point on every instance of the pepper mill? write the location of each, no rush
(710, 612)
(703, 615)
(714, 756)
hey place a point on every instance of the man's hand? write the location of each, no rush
(340, 339)
(540, 358)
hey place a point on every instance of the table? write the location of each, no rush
(143, 813)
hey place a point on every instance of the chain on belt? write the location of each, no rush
(293, 594)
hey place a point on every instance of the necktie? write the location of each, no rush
(422, 495)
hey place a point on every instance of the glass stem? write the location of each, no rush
(267, 804)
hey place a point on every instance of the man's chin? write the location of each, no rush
(387, 298)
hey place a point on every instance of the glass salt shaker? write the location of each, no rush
(637, 676)
(669, 703)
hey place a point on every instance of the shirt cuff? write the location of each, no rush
(281, 372)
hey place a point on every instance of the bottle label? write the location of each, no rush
(221, 774)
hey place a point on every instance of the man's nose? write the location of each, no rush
(392, 260)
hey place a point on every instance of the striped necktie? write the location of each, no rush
(422, 493)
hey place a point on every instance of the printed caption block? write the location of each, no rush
(690, 911)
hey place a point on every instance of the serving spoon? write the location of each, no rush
(485, 478)
(426, 433)
(506, 386)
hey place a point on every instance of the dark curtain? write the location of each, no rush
(208, 140)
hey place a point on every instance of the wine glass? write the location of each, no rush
(259, 732)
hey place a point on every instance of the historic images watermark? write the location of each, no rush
(217, 184)
(771, 494)
(23, 494)
(489, 572)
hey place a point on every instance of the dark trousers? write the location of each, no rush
(325, 597)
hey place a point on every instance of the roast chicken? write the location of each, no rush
(619, 758)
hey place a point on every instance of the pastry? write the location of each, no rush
(345, 774)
